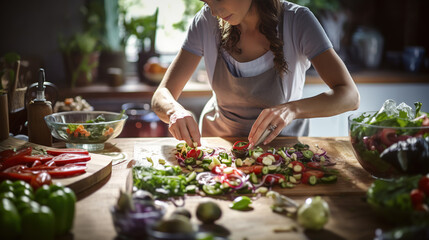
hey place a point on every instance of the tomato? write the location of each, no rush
(218, 169)
(68, 170)
(66, 158)
(193, 153)
(306, 175)
(313, 165)
(56, 152)
(41, 179)
(388, 136)
(297, 166)
(424, 185)
(417, 197)
(260, 158)
(257, 169)
(274, 178)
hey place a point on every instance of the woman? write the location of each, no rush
(256, 53)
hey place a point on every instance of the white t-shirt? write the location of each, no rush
(303, 37)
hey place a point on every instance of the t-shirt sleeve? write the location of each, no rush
(197, 31)
(310, 35)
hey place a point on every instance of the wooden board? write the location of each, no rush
(98, 168)
(352, 179)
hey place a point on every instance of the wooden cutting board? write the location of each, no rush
(98, 168)
(352, 179)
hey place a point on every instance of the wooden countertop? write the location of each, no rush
(351, 217)
(135, 89)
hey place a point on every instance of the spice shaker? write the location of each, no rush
(38, 131)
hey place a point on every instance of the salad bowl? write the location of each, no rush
(392, 142)
(85, 129)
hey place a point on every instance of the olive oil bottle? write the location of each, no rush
(38, 131)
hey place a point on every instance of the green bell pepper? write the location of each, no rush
(10, 222)
(38, 222)
(62, 202)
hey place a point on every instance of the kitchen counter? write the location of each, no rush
(351, 217)
(133, 89)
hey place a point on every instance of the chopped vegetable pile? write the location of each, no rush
(217, 171)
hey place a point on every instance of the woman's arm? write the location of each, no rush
(343, 96)
(182, 124)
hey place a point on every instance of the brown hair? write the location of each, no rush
(269, 12)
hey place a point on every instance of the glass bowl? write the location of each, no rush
(85, 129)
(136, 224)
(389, 152)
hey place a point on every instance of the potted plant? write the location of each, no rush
(80, 58)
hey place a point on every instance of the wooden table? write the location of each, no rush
(351, 217)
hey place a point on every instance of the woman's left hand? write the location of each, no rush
(275, 118)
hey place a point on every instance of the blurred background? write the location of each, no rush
(113, 53)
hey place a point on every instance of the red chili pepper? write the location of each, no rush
(240, 145)
(56, 152)
(12, 159)
(67, 171)
(67, 158)
(261, 157)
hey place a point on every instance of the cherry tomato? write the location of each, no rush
(274, 178)
(388, 136)
(306, 175)
(193, 153)
(417, 197)
(218, 169)
(424, 185)
(66, 158)
(257, 169)
(41, 179)
(313, 165)
(56, 152)
(261, 157)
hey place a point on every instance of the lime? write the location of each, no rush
(208, 212)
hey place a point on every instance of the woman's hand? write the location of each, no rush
(275, 118)
(183, 126)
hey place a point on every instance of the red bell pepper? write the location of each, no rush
(67, 158)
(240, 145)
(56, 152)
(10, 159)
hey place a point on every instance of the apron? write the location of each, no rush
(238, 101)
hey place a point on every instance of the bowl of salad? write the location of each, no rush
(86, 129)
(391, 142)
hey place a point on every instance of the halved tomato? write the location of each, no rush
(306, 175)
(257, 169)
(56, 152)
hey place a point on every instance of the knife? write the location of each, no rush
(262, 137)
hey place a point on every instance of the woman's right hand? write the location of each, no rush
(182, 126)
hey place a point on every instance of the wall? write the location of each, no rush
(32, 29)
